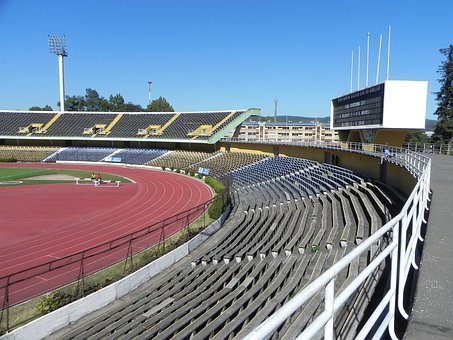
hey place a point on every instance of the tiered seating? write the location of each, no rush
(134, 156)
(187, 123)
(81, 154)
(27, 153)
(144, 125)
(180, 159)
(74, 124)
(277, 242)
(130, 124)
(227, 161)
(11, 122)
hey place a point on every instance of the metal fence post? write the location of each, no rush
(393, 280)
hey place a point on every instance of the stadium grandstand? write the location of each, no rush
(318, 240)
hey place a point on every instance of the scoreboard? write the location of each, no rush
(363, 107)
(391, 104)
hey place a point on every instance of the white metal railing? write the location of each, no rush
(442, 149)
(404, 231)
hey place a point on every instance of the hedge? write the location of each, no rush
(215, 184)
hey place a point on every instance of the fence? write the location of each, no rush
(26, 284)
(404, 231)
(441, 149)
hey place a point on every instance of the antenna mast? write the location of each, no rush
(149, 91)
(275, 109)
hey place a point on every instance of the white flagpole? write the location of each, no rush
(352, 71)
(379, 58)
(367, 58)
(388, 54)
(358, 71)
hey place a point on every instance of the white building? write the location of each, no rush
(287, 132)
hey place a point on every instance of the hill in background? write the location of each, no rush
(430, 124)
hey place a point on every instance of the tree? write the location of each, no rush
(117, 104)
(94, 102)
(37, 108)
(443, 133)
(417, 137)
(75, 103)
(160, 105)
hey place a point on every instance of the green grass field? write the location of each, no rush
(21, 174)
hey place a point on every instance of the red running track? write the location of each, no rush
(41, 223)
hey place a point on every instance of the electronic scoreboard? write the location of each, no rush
(397, 104)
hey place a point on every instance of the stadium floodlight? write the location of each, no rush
(57, 47)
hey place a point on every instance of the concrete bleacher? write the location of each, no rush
(180, 159)
(276, 243)
(134, 156)
(26, 153)
(91, 154)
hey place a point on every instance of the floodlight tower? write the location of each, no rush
(57, 47)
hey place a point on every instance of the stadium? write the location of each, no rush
(308, 240)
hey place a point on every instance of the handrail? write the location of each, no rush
(400, 250)
(407, 222)
(413, 161)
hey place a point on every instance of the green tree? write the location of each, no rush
(94, 102)
(443, 133)
(130, 107)
(417, 137)
(117, 104)
(75, 103)
(37, 108)
(160, 105)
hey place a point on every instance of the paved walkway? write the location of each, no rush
(432, 314)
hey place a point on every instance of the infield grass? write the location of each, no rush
(21, 174)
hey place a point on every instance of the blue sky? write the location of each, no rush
(214, 55)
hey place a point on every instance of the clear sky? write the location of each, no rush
(214, 55)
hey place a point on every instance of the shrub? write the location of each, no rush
(314, 248)
(215, 184)
(8, 160)
(216, 209)
(53, 301)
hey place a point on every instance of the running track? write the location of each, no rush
(41, 223)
